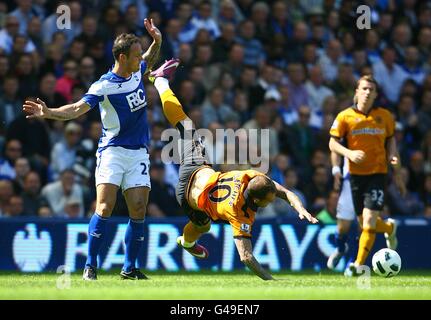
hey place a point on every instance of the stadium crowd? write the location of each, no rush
(286, 66)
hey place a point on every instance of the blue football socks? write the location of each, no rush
(134, 240)
(96, 231)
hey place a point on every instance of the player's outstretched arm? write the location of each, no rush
(244, 247)
(295, 202)
(152, 54)
(67, 112)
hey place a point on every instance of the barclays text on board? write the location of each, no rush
(36, 245)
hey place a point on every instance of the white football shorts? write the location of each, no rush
(125, 168)
(345, 208)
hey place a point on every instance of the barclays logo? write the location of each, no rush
(32, 251)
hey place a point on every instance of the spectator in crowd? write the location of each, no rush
(282, 208)
(58, 194)
(73, 208)
(22, 168)
(214, 148)
(424, 114)
(47, 91)
(142, 8)
(76, 50)
(424, 42)
(317, 192)
(234, 64)
(33, 201)
(12, 152)
(7, 35)
(171, 45)
(389, 75)
(223, 44)
(281, 164)
(345, 83)
(262, 121)
(317, 92)
(280, 23)
(68, 80)
(188, 29)
(14, 207)
(197, 76)
(253, 49)
(63, 154)
(299, 141)
(162, 201)
(426, 195)
(9, 100)
(259, 15)
(85, 163)
(294, 47)
(288, 114)
(214, 109)
(203, 19)
(264, 82)
(330, 59)
(401, 37)
(404, 205)
(132, 21)
(6, 192)
(416, 170)
(26, 73)
(309, 56)
(49, 26)
(228, 12)
(110, 19)
(328, 214)
(4, 69)
(298, 94)
(412, 65)
(87, 71)
(406, 115)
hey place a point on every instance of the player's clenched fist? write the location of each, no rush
(356, 156)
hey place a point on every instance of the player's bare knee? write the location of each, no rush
(139, 210)
(104, 209)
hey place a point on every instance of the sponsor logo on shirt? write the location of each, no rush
(136, 100)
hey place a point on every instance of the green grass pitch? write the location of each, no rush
(216, 286)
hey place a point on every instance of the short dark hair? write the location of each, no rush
(123, 43)
(260, 186)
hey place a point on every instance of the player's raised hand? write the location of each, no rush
(35, 109)
(356, 156)
(153, 30)
(304, 214)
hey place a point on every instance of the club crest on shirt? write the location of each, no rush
(245, 227)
